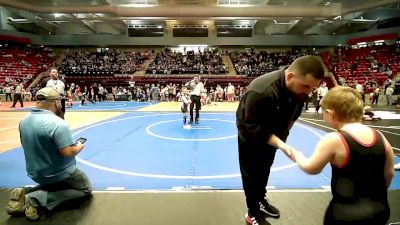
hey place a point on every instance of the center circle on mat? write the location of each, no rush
(152, 133)
(164, 176)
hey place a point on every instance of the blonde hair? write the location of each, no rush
(346, 102)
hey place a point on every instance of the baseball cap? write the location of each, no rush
(48, 93)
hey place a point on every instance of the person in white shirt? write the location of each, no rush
(321, 91)
(230, 92)
(56, 83)
(389, 93)
(360, 89)
(196, 87)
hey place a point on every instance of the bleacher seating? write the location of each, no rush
(362, 64)
(23, 63)
(108, 62)
(252, 63)
(169, 62)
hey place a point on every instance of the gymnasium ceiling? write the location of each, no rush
(312, 17)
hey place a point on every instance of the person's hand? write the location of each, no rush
(79, 144)
(288, 150)
(298, 155)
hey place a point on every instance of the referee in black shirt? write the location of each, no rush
(266, 113)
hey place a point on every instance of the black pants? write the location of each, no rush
(18, 97)
(95, 96)
(306, 103)
(318, 105)
(63, 105)
(72, 191)
(375, 99)
(8, 95)
(195, 101)
(255, 162)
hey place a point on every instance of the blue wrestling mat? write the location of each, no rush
(151, 151)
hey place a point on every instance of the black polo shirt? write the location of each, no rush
(267, 107)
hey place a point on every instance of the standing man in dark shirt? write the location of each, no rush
(266, 113)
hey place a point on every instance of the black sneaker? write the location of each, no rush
(191, 121)
(253, 220)
(268, 209)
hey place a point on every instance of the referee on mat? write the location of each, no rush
(196, 87)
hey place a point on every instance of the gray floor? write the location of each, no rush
(194, 208)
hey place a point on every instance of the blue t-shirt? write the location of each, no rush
(43, 134)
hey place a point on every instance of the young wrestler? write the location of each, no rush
(369, 115)
(185, 98)
(70, 102)
(361, 158)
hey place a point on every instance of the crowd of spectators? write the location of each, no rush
(21, 64)
(103, 62)
(253, 63)
(171, 62)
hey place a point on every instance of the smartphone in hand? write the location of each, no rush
(81, 140)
